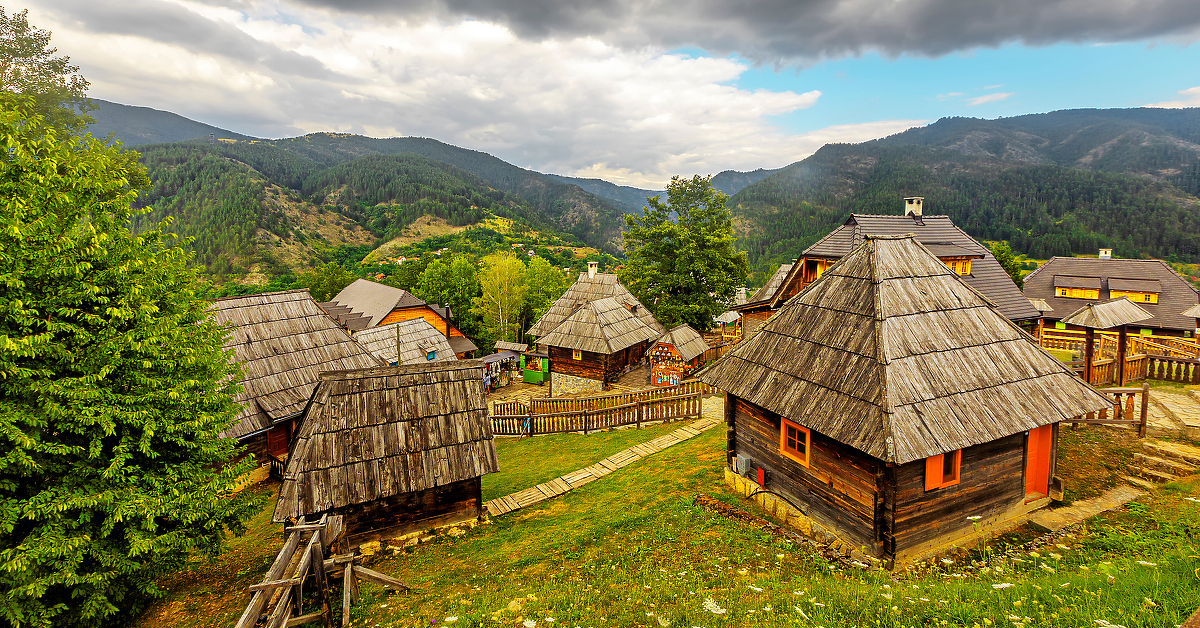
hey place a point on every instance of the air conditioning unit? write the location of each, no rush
(741, 464)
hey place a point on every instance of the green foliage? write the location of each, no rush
(502, 295)
(452, 281)
(325, 281)
(1008, 262)
(544, 284)
(685, 271)
(28, 67)
(113, 389)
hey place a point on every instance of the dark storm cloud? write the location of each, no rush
(785, 30)
(175, 25)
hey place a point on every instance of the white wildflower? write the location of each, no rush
(974, 518)
(1003, 585)
(754, 588)
(768, 608)
(1146, 564)
(1055, 556)
(529, 623)
(801, 612)
(664, 622)
(710, 605)
(451, 619)
(947, 561)
(1046, 567)
(1148, 602)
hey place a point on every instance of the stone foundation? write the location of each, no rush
(563, 384)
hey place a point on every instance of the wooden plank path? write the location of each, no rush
(575, 479)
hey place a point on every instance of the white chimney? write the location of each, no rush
(1105, 253)
(592, 268)
(912, 205)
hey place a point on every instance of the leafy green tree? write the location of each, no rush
(28, 66)
(544, 284)
(113, 389)
(1008, 262)
(687, 270)
(453, 282)
(502, 295)
(325, 281)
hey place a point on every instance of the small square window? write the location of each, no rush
(942, 470)
(431, 355)
(795, 442)
(576, 354)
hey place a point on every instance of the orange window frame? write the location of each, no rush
(791, 452)
(935, 476)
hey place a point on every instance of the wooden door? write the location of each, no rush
(1037, 462)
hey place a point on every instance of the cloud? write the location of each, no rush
(789, 30)
(1191, 99)
(979, 100)
(949, 95)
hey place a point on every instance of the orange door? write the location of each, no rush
(1037, 462)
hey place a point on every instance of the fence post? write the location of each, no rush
(700, 403)
(529, 422)
(639, 414)
(1145, 403)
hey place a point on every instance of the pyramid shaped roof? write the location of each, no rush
(585, 290)
(892, 353)
(600, 326)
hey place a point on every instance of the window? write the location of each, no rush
(430, 355)
(942, 470)
(576, 354)
(1136, 297)
(959, 266)
(794, 441)
(1077, 293)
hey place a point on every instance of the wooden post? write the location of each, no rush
(347, 578)
(1088, 354)
(1040, 325)
(639, 414)
(1145, 404)
(730, 438)
(700, 403)
(318, 563)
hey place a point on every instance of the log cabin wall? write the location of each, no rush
(589, 366)
(991, 482)
(841, 487)
(396, 516)
(751, 321)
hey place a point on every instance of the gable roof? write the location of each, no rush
(585, 290)
(687, 341)
(283, 341)
(892, 353)
(376, 433)
(1107, 315)
(771, 288)
(369, 300)
(987, 276)
(461, 344)
(406, 342)
(1175, 294)
(601, 326)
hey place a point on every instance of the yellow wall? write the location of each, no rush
(1136, 297)
(960, 266)
(1077, 293)
(407, 314)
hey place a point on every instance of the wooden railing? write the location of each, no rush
(1182, 370)
(1106, 343)
(1126, 409)
(550, 405)
(591, 420)
(509, 407)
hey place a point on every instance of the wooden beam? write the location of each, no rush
(254, 608)
(372, 576)
(274, 584)
(305, 619)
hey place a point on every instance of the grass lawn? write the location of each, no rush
(1092, 459)
(631, 549)
(1061, 354)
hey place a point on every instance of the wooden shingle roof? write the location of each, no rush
(687, 341)
(987, 276)
(369, 300)
(376, 433)
(1175, 294)
(406, 342)
(519, 347)
(283, 341)
(601, 326)
(585, 290)
(772, 286)
(1107, 315)
(892, 353)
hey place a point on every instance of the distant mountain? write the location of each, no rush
(630, 199)
(1059, 183)
(135, 126)
(731, 181)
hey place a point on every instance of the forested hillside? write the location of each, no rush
(1051, 184)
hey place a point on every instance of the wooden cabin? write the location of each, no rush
(408, 342)
(729, 323)
(592, 286)
(394, 450)
(1067, 283)
(675, 355)
(283, 340)
(595, 345)
(969, 259)
(891, 402)
(365, 304)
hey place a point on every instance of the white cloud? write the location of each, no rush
(1191, 98)
(979, 100)
(949, 95)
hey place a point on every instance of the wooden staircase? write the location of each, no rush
(1160, 462)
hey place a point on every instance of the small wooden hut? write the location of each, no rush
(592, 286)
(893, 402)
(675, 355)
(413, 341)
(394, 450)
(595, 345)
(1116, 314)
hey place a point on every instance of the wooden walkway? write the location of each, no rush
(575, 479)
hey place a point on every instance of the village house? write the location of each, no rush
(413, 341)
(394, 450)
(958, 251)
(893, 409)
(365, 304)
(1067, 283)
(675, 355)
(282, 340)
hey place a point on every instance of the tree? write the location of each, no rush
(325, 281)
(28, 66)
(453, 282)
(113, 389)
(686, 271)
(544, 284)
(502, 295)
(1008, 262)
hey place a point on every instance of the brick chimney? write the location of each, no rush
(592, 268)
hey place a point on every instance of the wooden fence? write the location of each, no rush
(551, 405)
(1106, 344)
(1125, 409)
(591, 420)
(277, 601)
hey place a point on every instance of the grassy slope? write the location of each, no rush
(631, 549)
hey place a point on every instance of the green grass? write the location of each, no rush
(527, 462)
(1062, 355)
(631, 549)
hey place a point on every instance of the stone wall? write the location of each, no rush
(563, 384)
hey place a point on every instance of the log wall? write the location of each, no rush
(402, 514)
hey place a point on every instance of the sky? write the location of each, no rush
(631, 91)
